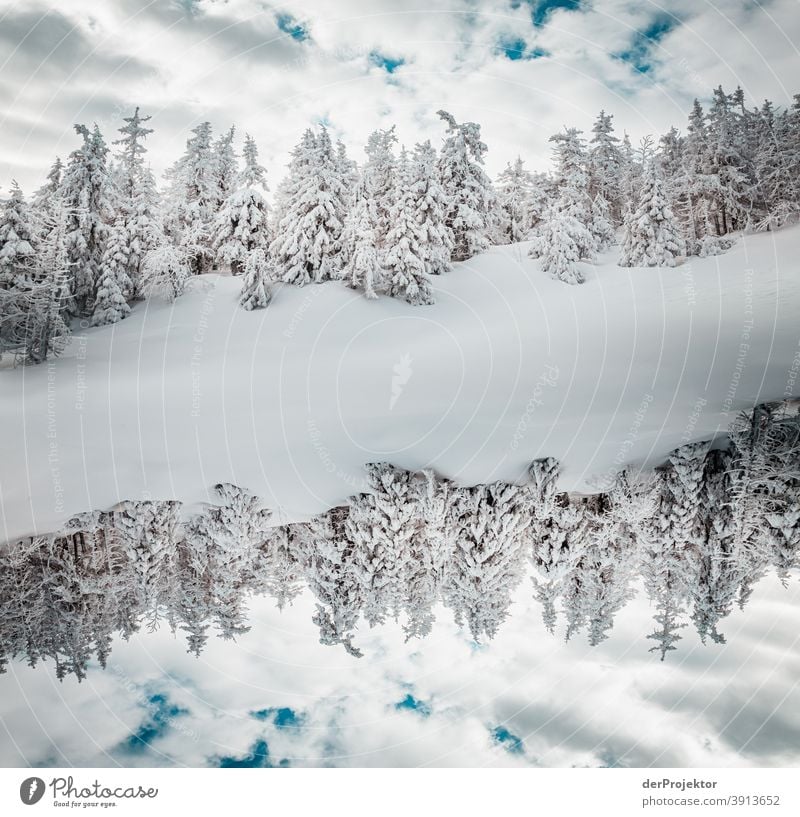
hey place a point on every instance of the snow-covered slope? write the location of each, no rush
(508, 366)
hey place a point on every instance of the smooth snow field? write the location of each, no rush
(508, 365)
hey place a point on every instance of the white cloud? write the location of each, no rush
(229, 62)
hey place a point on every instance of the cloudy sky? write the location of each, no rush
(522, 68)
(526, 699)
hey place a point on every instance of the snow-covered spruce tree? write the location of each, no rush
(564, 237)
(431, 552)
(278, 573)
(382, 526)
(191, 199)
(488, 558)
(653, 237)
(225, 168)
(514, 193)
(17, 239)
(325, 553)
(379, 180)
(241, 225)
(35, 309)
(717, 574)
(110, 305)
(670, 558)
(729, 162)
(558, 242)
(776, 193)
(147, 535)
(599, 584)
(257, 281)
(363, 269)
(430, 204)
(379, 177)
(87, 198)
(405, 258)
(311, 208)
(471, 201)
(572, 184)
(600, 226)
(348, 170)
(226, 538)
(165, 272)
(555, 536)
(137, 198)
(42, 198)
(604, 167)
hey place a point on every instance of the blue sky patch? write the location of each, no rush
(510, 742)
(292, 26)
(257, 758)
(517, 49)
(388, 64)
(542, 9)
(415, 705)
(282, 717)
(161, 716)
(639, 54)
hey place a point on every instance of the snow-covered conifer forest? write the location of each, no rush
(697, 533)
(101, 235)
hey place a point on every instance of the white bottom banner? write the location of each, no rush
(394, 791)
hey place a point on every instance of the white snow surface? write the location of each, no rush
(290, 401)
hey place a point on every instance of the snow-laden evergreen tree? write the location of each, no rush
(227, 539)
(430, 205)
(363, 271)
(257, 281)
(137, 197)
(326, 554)
(382, 526)
(564, 237)
(717, 573)
(431, 552)
(776, 199)
(379, 180)
(605, 163)
(41, 202)
(191, 199)
(348, 169)
(278, 572)
(631, 174)
(86, 196)
(653, 237)
(225, 168)
(572, 180)
(600, 226)
(488, 559)
(148, 535)
(405, 260)
(17, 239)
(471, 201)
(558, 241)
(555, 536)
(34, 310)
(311, 208)
(514, 193)
(110, 304)
(165, 272)
(728, 163)
(242, 224)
